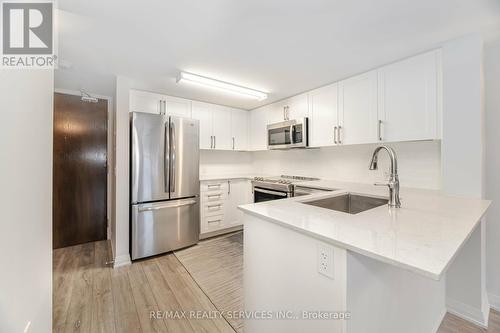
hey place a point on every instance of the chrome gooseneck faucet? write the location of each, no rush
(393, 183)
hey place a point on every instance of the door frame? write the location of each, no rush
(110, 153)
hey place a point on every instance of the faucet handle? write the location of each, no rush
(381, 184)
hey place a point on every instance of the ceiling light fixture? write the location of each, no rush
(221, 85)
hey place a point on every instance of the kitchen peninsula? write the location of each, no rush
(385, 266)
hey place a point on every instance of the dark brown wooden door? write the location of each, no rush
(80, 170)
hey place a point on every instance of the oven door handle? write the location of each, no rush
(281, 194)
(292, 136)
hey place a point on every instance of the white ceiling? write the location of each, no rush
(283, 47)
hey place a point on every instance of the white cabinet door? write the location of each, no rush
(178, 106)
(408, 99)
(258, 128)
(297, 106)
(239, 129)
(142, 101)
(238, 194)
(358, 109)
(276, 112)
(221, 117)
(203, 112)
(323, 116)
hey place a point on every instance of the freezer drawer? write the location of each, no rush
(164, 226)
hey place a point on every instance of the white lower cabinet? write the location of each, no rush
(219, 204)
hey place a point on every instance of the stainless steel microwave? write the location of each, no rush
(288, 134)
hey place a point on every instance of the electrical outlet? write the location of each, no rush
(325, 260)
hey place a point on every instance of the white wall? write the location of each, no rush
(463, 169)
(26, 104)
(419, 163)
(225, 162)
(120, 227)
(492, 77)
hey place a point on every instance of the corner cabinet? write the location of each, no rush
(258, 128)
(240, 121)
(219, 205)
(221, 127)
(408, 98)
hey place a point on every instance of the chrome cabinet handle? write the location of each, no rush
(339, 137)
(335, 134)
(211, 142)
(213, 195)
(213, 185)
(380, 130)
(228, 187)
(212, 206)
(233, 142)
(213, 221)
(215, 142)
(170, 205)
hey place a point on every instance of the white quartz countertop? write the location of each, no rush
(424, 235)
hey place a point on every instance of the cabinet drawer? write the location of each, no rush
(215, 196)
(212, 223)
(220, 186)
(212, 209)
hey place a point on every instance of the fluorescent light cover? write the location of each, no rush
(220, 85)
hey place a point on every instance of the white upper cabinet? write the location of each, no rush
(216, 126)
(276, 112)
(258, 128)
(178, 106)
(323, 113)
(297, 106)
(240, 127)
(290, 108)
(221, 117)
(407, 97)
(142, 101)
(203, 112)
(358, 109)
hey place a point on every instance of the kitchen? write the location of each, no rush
(238, 190)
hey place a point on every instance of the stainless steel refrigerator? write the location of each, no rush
(165, 187)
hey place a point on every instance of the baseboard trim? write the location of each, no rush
(122, 260)
(438, 324)
(494, 301)
(466, 312)
(221, 232)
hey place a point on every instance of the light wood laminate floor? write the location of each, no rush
(92, 297)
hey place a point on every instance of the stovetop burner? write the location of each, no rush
(281, 183)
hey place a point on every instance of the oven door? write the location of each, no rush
(261, 195)
(288, 134)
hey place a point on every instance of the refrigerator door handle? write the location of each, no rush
(173, 147)
(169, 205)
(166, 157)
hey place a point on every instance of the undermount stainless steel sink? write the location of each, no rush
(348, 203)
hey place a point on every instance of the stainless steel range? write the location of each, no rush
(273, 188)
